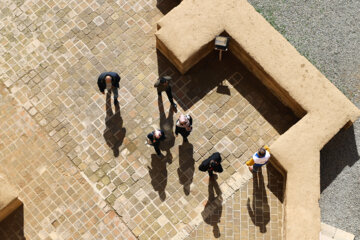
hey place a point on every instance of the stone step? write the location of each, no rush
(329, 232)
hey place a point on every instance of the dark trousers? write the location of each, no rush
(169, 94)
(156, 147)
(185, 134)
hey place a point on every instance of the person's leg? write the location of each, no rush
(170, 96)
(255, 168)
(185, 135)
(157, 149)
(116, 94)
(210, 173)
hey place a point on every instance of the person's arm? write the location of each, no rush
(177, 130)
(117, 80)
(100, 83)
(163, 137)
(150, 136)
(204, 166)
(219, 168)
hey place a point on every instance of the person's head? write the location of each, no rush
(213, 163)
(108, 79)
(157, 134)
(261, 152)
(183, 119)
(164, 79)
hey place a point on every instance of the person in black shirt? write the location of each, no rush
(110, 82)
(154, 139)
(212, 164)
(184, 126)
(163, 84)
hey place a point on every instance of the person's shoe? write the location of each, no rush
(116, 102)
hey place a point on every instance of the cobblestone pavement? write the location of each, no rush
(253, 212)
(58, 202)
(94, 164)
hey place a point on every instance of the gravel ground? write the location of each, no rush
(327, 32)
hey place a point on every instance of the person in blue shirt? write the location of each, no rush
(109, 81)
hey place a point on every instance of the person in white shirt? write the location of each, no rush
(259, 159)
(184, 126)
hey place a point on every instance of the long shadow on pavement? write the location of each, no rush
(260, 210)
(158, 174)
(186, 166)
(166, 124)
(213, 208)
(114, 133)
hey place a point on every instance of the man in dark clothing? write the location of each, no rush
(154, 139)
(212, 164)
(110, 82)
(184, 126)
(163, 84)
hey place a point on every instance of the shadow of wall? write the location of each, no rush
(339, 152)
(210, 73)
(12, 227)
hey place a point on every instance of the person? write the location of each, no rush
(163, 84)
(110, 82)
(154, 139)
(184, 126)
(259, 159)
(213, 163)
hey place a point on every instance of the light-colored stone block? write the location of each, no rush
(342, 235)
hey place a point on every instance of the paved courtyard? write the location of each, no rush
(82, 165)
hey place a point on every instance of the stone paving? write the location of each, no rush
(58, 202)
(51, 54)
(253, 212)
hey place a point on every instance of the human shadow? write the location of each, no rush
(339, 152)
(186, 166)
(12, 227)
(158, 174)
(213, 208)
(260, 210)
(166, 6)
(114, 132)
(210, 73)
(275, 182)
(166, 124)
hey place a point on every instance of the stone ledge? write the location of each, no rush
(9, 201)
(292, 78)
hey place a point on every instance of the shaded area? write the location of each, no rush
(166, 6)
(213, 208)
(12, 227)
(167, 125)
(259, 211)
(158, 174)
(186, 166)
(339, 152)
(275, 182)
(210, 73)
(114, 133)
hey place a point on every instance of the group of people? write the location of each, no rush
(109, 81)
